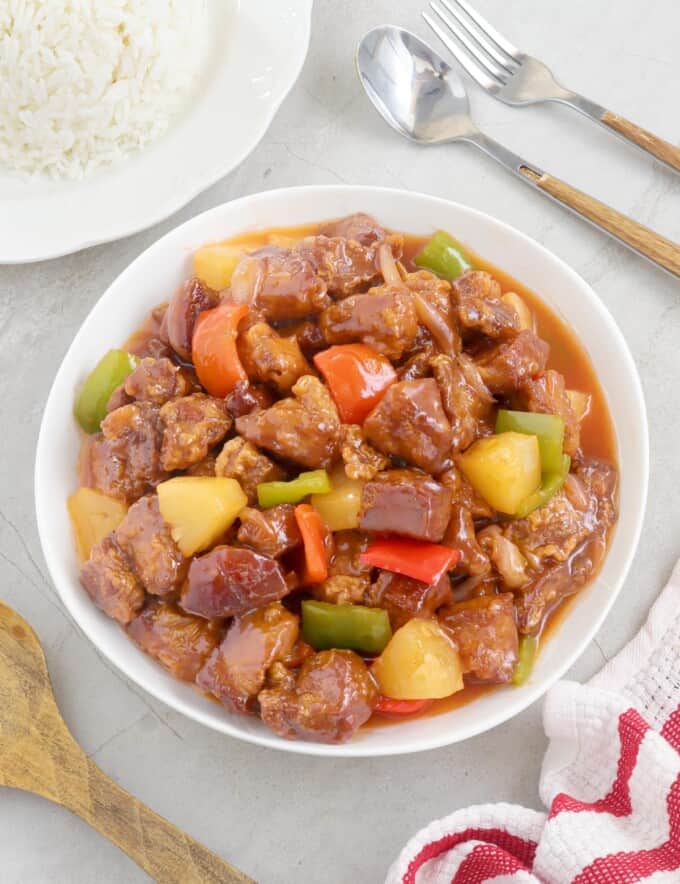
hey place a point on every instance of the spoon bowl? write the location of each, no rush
(412, 87)
(422, 97)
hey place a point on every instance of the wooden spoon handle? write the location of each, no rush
(663, 150)
(166, 853)
(639, 238)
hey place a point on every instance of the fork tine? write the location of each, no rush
(479, 35)
(490, 31)
(499, 73)
(474, 70)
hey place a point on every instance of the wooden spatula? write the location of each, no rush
(38, 754)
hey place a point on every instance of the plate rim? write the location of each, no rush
(199, 185)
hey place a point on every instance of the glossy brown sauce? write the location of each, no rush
(567, 356)
(566, 352)
(150, 328)
(598, 439)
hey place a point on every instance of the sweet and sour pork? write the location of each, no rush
(228, 613)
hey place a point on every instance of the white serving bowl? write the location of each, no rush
(163, 266)
(249, 71)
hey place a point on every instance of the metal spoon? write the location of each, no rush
(421, 97)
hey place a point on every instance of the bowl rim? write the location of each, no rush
(529, 693)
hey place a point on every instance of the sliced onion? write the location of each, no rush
(509, 561)
(474, 378)
(438, 325)
(388, 266)
(246, 280)
(472, 586)
(575, 492)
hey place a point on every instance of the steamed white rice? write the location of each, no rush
(84, 83)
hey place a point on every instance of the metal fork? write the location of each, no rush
(518, 79)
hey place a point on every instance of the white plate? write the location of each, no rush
(258, 52)
(166, 263)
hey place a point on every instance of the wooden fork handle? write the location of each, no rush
(663, 150)
(639, 238)
(162, 850)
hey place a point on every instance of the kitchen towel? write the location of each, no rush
(610, 780)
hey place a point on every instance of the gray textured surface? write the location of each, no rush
(291, 818)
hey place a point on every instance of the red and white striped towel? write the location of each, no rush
(610, 778)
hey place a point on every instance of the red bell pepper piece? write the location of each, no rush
(213, 348)
(313, 533)
(388, 706)
(357, 377)
(419, 559)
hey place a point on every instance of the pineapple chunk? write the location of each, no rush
(282, 240)
(505, 469)
(339, 508)
(199, 509)
(420, 662)
(215, 263)
(580, 403)
(93, 516)
(526, 317)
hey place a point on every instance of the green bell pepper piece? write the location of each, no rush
(550, 484)
(356, 627)
(274, 493)
(443, 256)
(108, 374)
(549, 428)
(528, 645)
